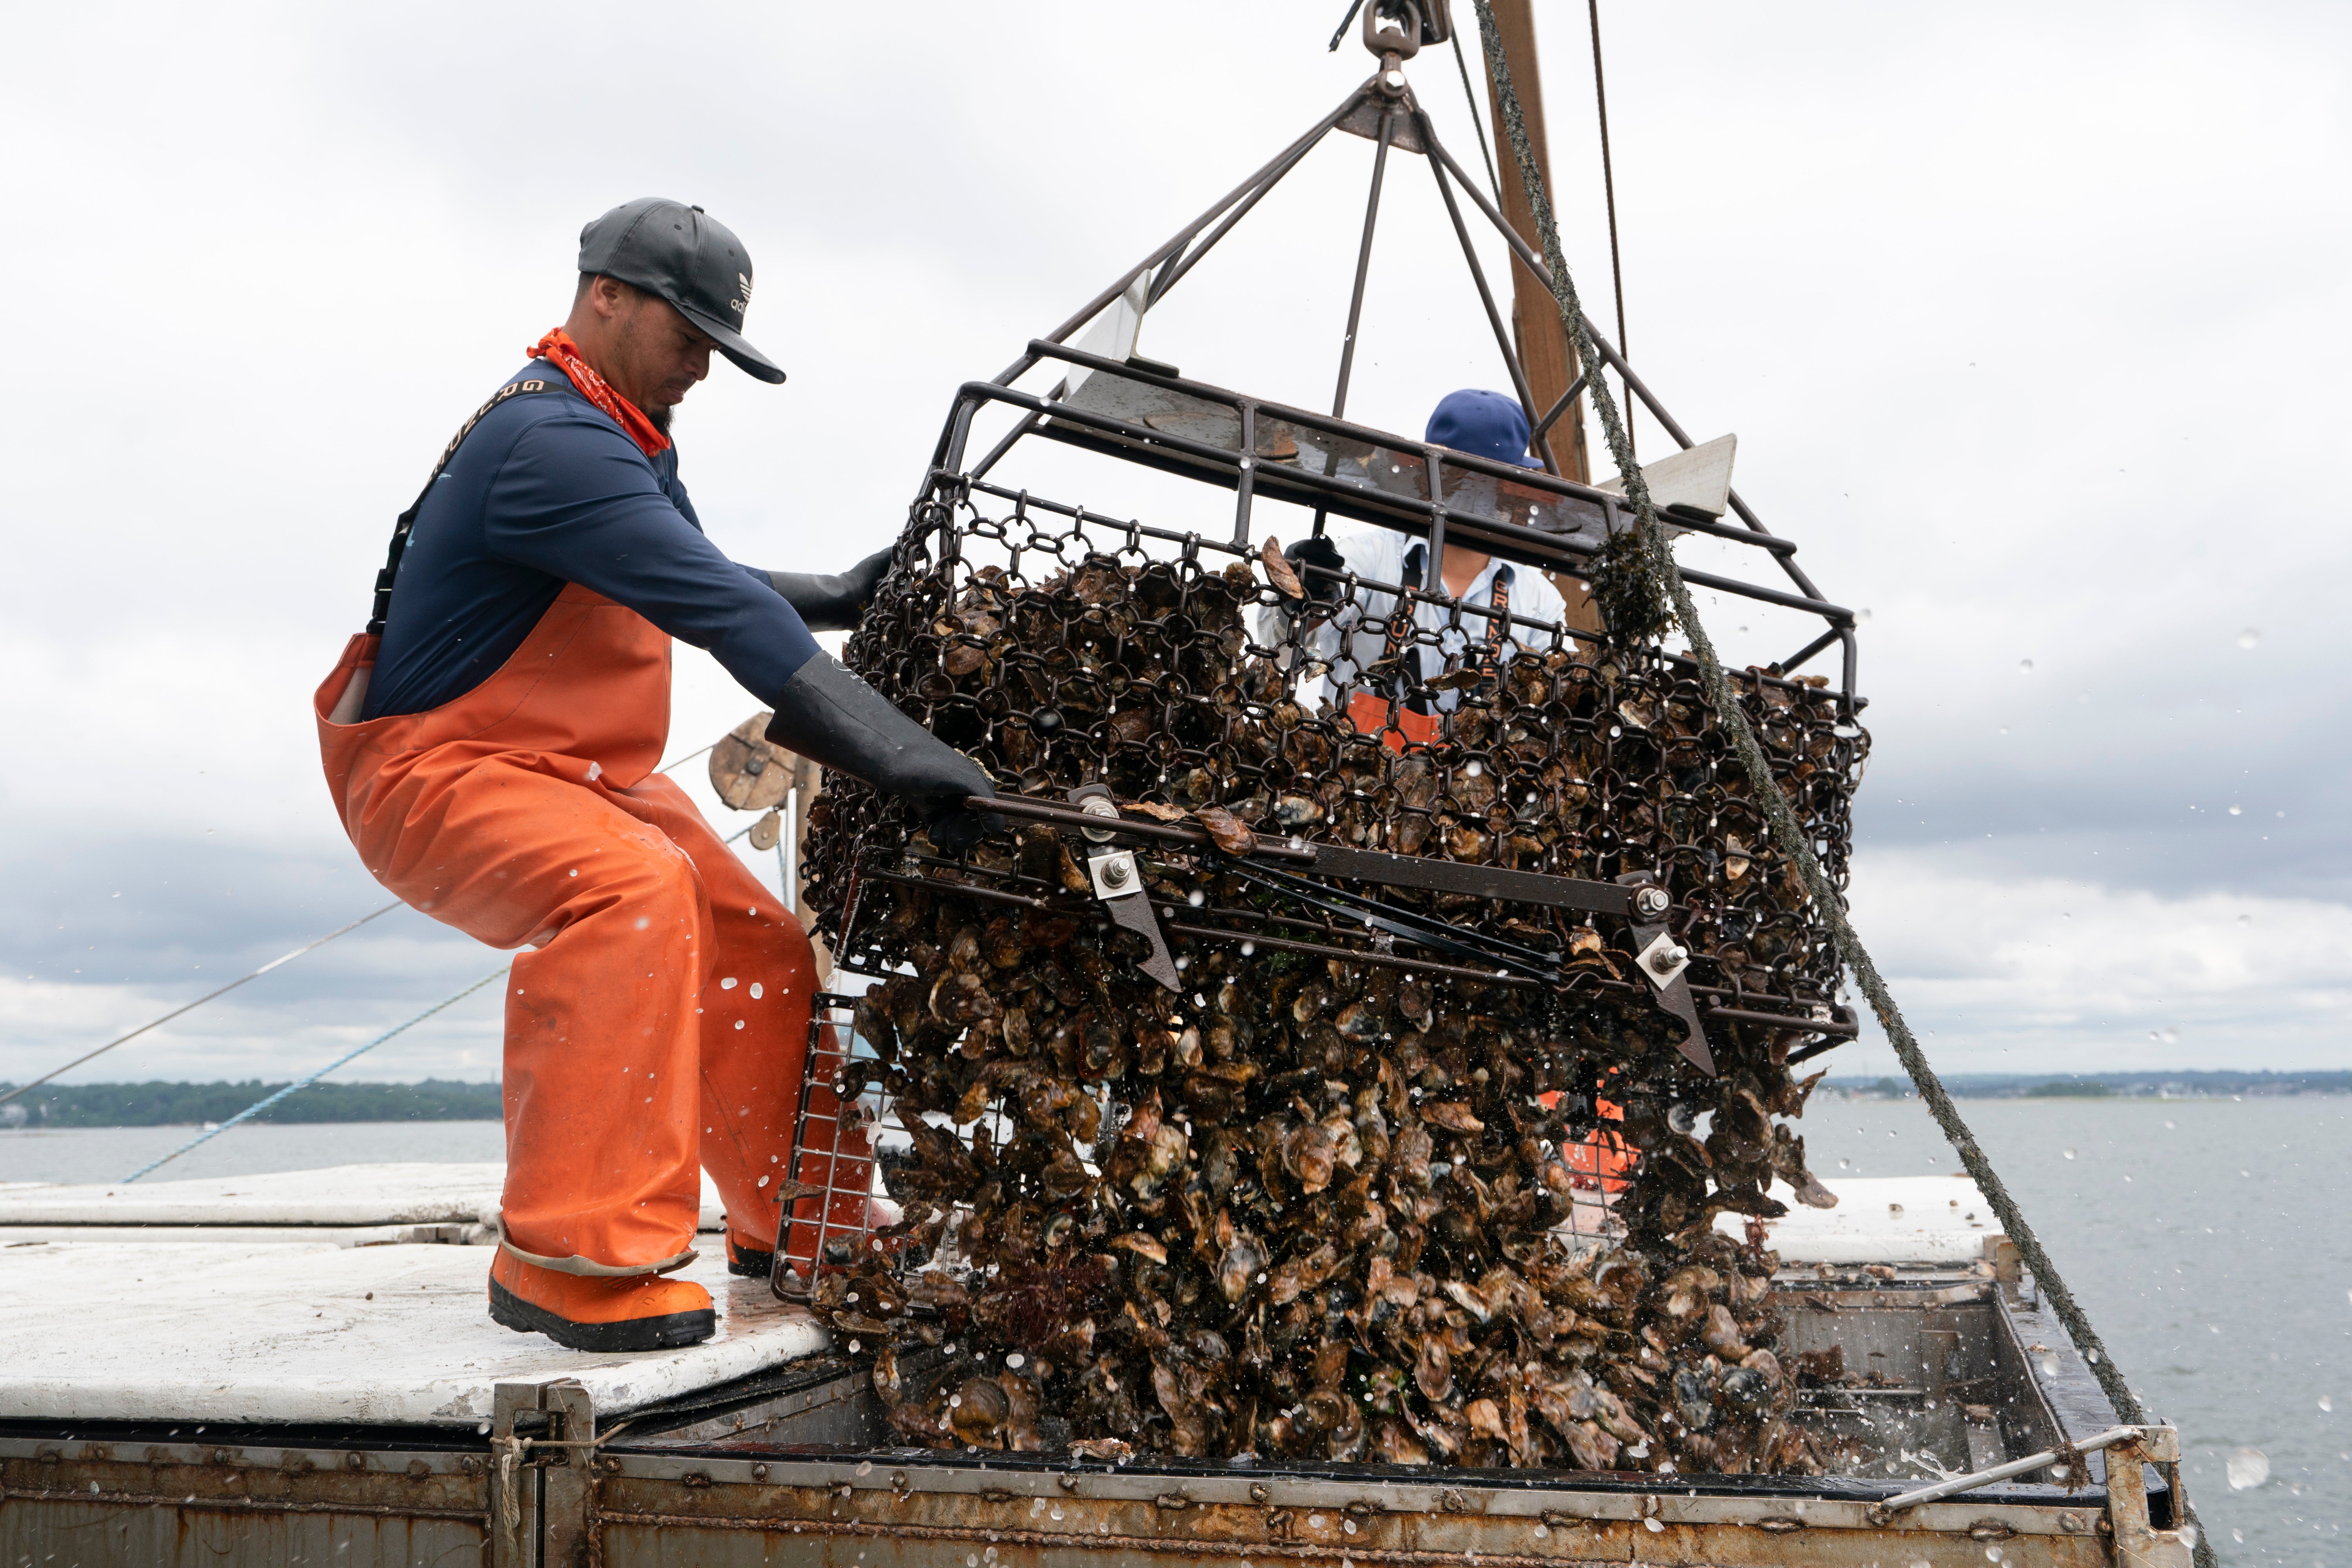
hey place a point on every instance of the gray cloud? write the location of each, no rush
(2028, 321)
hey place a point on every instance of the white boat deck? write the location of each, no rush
(355, 1293)
(222, 1331)
(1915, 1220)
(357, 1204)
(337, 1296)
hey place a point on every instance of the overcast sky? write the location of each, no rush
(2031, 322)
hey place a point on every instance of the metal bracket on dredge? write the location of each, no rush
(1118, 883)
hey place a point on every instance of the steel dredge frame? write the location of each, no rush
(1381, 109)
(1384, 109)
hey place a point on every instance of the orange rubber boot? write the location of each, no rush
(633, 1312)
(751, 1259)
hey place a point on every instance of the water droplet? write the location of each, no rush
(1862, 618)
(2237, 811)
(1297, 842)
(1016, 1360)
(2325, 1402)
(2247, 1467)
(866, 1469)
(1196, 897)
(1248, 948)
(2025, 667)
(1653, 1527)
(1055, 1511)
(1846, 1164)
(2047, 1364)
(757, 991)
(1474, 767)
(2070, 1153)
(2249, 637)
(1992, 1553)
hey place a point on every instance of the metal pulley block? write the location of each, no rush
(747, 771)
(1118, 883)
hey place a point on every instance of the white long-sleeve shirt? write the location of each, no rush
(1355, 636)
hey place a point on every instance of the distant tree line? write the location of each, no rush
(2112, 1085)
(158, 1104)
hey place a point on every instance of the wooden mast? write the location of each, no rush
(1544, 350)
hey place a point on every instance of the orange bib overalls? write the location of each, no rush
(659, 1018)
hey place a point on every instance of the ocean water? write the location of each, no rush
(2209, 1240)
(111, 1153)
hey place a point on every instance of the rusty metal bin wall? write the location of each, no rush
(107, 1501)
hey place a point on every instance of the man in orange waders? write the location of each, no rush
(490, 742)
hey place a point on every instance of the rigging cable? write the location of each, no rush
(1477, 125)
(191, 1006)
(1787, 833)
(261, 1105)
(254, 974)
(1333, 47)
(1609, 189)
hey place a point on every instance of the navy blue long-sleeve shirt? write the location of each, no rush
(547, 489)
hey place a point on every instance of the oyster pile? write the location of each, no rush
(1332, 1199)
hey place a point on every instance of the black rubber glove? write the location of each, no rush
(837, 720)
(1316, 550)
(833, 600)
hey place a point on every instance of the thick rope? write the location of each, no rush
(1787, 833)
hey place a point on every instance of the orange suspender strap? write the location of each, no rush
(1497, 624)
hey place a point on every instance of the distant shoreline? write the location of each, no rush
(54, 1107)
(158, 1104)
(2154, 1087)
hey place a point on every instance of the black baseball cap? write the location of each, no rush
(690, 259)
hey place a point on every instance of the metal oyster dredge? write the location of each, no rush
(1313, 991)
(1344, 1120)
(1311, 1082)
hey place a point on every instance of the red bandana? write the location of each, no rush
(558, 347)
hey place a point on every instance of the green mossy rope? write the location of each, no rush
(1642, 592)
